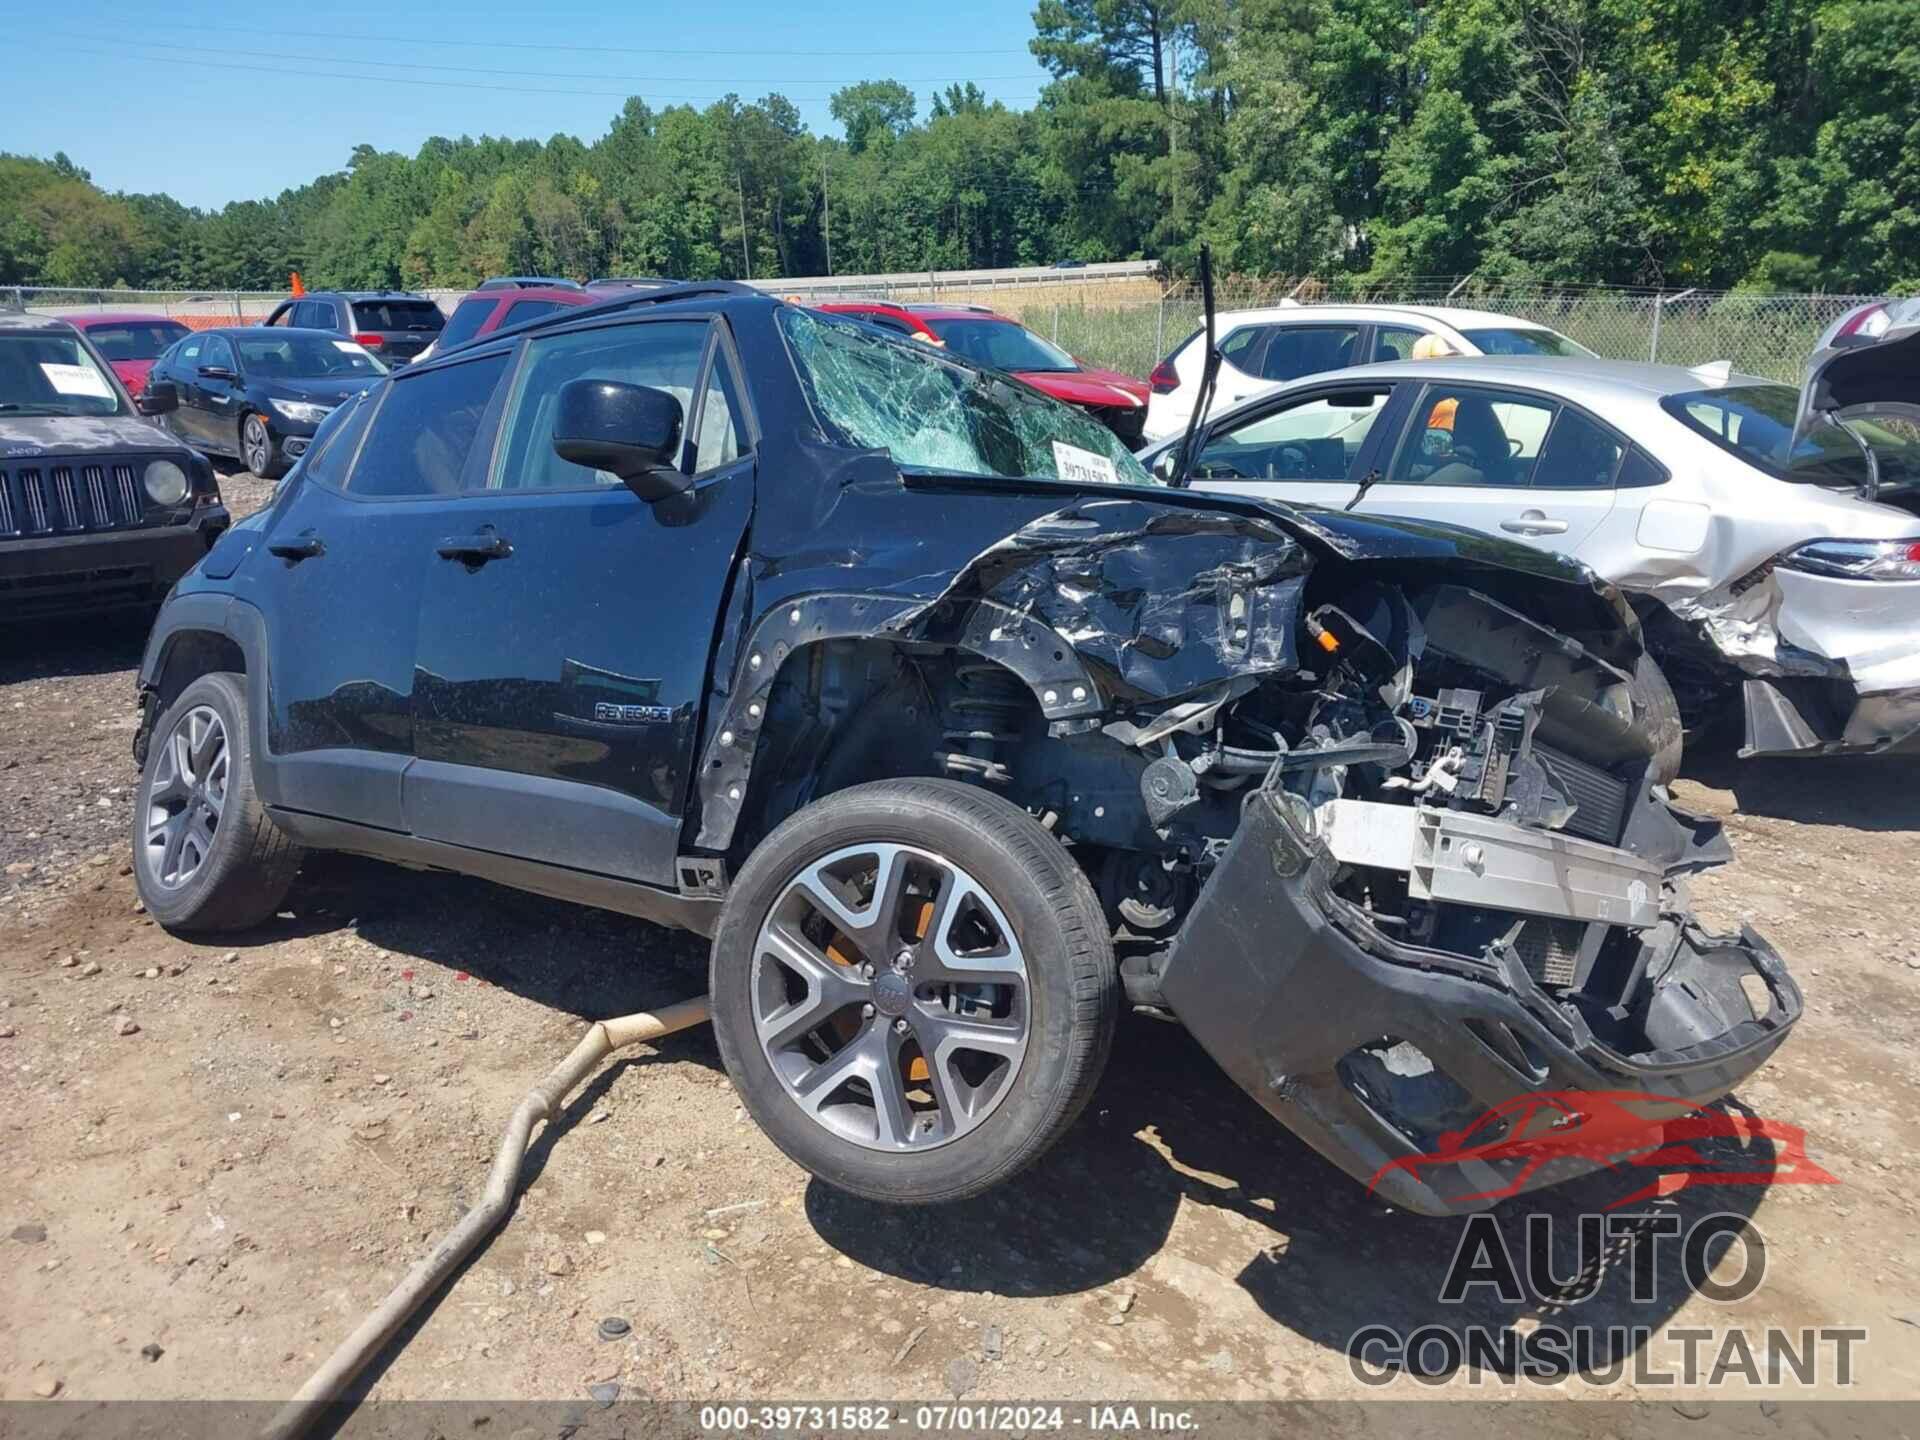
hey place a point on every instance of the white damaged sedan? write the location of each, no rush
(1769, 538)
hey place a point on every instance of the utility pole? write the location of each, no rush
(826, 206)
(746, 260)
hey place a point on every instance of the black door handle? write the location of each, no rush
(489, 544)
(300, 547)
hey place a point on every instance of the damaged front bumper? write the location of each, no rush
(1372, 1050)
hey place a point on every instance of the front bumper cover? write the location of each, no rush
(58, 575)
(1285, 985)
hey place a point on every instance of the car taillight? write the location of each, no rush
(1164, 379)
(372, 342)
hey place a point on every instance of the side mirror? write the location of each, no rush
(632, 431)
(158, 398)
(217, 372)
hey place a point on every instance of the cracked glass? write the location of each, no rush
(937, 415)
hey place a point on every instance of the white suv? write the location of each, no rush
(1262, 349)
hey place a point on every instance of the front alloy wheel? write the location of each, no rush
(206, 856)
(890, 996)
(186, 799)
(256, 448)
(913, 989)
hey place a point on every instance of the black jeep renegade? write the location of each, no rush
(909, 687)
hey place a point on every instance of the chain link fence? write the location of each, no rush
(1129, 322)
(1766, 335)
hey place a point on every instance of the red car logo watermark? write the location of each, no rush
(1625, 1131)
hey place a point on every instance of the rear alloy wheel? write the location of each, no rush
(913, 989)
(259, 449)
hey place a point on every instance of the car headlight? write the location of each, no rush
(304, 412)
(1857, 559)
(166, 483)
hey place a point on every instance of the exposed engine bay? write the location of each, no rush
(1384, 838)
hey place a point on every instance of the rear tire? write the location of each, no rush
(985, 942)
(205, 855)
(1656, 709)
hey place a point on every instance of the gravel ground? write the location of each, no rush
(231, 1151)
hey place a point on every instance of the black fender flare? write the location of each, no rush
(1043, 659)
(231, 619)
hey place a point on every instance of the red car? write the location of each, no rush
(975, 333)
(494, 305)
(129, 342)
(1587, 1129)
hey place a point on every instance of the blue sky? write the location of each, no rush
(220, 101)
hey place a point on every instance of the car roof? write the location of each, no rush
(121, 317)
(1453, 318)
(25, 320)
(919, 311)
(253, 332)
(527, 282)
(1571, 376)
(729, 294)
(513, 295)
(360, 295)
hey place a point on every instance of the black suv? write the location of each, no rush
(910, 688)
(98, 509)
(394, 324)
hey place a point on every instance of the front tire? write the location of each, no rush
(205, 855)
(259, 451)
(913, 990)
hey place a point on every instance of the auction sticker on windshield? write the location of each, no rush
(77, 380)
(1072, 463)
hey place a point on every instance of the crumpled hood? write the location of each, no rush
(1086, 387)
(25, 436)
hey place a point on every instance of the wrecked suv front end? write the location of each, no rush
(1388, 953)
(1369, 804)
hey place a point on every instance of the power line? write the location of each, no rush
(517, 44)
(277, 70)
(554, 74)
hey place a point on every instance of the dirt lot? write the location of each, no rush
(299, 1110)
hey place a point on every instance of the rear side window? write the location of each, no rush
(1390, 342)
(529, 310)
(467, 318)
(1296, 350)
(1241, 349)
(423, 438)
(1640, 469)
(337, 439)
(397, 315)
(1580, 455)
(314, 315)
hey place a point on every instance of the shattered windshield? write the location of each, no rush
(936, 415)
(1755, 422)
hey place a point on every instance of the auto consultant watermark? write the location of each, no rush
(1654, 1259)
(1484, 1266)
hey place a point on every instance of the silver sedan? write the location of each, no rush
(1767, 536)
